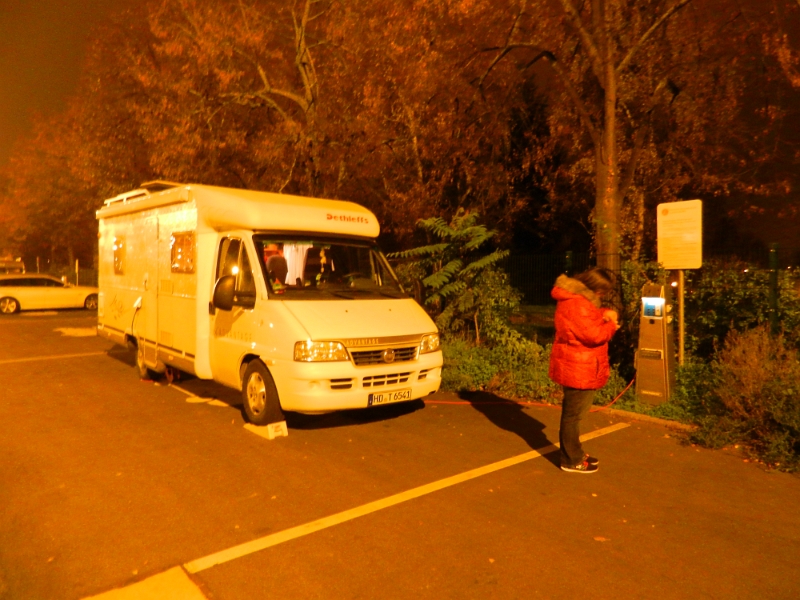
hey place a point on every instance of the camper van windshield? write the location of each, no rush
(325, 268)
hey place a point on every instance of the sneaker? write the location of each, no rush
(584, 467)
(590, 459)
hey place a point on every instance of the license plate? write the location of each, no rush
(389, 397)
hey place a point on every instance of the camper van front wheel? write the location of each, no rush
(260, 396)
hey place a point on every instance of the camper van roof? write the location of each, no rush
(222, 209)
(147, 188)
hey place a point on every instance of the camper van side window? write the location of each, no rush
(233, 261)
(182, 250)
(246, 284)
(228, 257)
(119, 255)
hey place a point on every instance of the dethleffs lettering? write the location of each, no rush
(347, 218)
(362, 342)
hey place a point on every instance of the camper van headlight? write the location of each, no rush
(429, 343)
(319, 351)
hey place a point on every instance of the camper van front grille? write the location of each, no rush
(379, 357)
(341, 384)
(380, 380)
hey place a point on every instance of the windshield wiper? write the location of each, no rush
(395, 295)
(340, 294)
(378, 291)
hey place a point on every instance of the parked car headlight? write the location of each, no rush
(430, 343)
(320, 351)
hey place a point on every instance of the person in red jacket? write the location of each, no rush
(579, 360)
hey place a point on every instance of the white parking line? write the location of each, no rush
(52, 357)
(195, 399)
(169, 585)
(274, 539)
(180, 389)
(77, 331)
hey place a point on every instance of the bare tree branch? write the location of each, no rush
(245, 20)
(503, 51)
(580, 106)
(563, 78)
(303, 60)
(265, 93)
(630, 168)
(268, 89)
(289, 176)
(646, 35)
(588, 40)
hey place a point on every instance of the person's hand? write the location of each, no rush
(611, 315)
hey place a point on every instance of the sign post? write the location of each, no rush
(680, 246)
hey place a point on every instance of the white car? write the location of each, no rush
(31, 291)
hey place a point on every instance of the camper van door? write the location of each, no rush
(232, 330)
(147, 322)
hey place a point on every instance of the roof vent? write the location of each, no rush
(159, 186)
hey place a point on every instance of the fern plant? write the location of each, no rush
(452, 268)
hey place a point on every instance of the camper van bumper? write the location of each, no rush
(328, 387)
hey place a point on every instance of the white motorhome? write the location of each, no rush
(286, 298)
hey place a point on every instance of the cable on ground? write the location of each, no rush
(527, 403)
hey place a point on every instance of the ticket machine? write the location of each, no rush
(655, 356)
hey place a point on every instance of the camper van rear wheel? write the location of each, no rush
(8, 306)
(144, 371)
(260, 396)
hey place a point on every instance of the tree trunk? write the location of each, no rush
(607, 200)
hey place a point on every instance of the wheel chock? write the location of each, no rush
(278, 429)
(270, 431)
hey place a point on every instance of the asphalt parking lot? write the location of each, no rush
(118, 487)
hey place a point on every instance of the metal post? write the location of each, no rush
(77, 273)
(681, 338)
(773, 288)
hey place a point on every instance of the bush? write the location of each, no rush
(694, 382)
(753, 398)
(515, 370)
(467, 367)
(721, 297)
(729, 296)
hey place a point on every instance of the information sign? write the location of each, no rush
(680, 234)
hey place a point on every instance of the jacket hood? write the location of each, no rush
(568, 287)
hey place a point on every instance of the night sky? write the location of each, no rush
(41, 49)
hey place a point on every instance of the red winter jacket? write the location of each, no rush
(580, 351)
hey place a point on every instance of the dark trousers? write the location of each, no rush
(574, 408)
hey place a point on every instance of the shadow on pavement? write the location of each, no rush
(510, 416)
(123, 355)
(211, 390)
(352, 417)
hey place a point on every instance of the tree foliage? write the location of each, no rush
(536, 114)
(454, 271)
(649, 101)
(47, 203)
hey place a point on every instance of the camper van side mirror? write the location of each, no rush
(223, 292)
